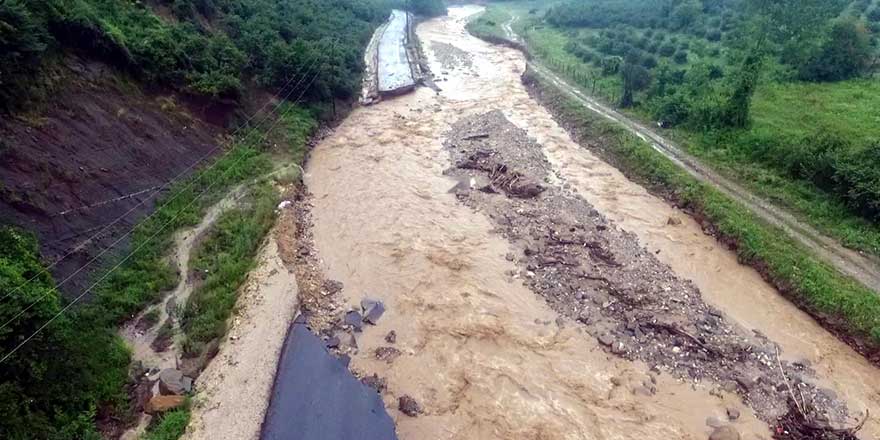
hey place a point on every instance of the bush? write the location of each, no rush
(857, 174)
(23, 39)
(680, 57)
(844, 55)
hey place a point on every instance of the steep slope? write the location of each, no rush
(102, 149)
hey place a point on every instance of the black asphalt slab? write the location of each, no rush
(315, 397)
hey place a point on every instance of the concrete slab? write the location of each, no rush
(394, 70)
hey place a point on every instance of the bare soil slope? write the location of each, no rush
(98, 149)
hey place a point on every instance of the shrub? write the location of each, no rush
(857, 174)
(667, 50)
(681, 57)
(844, 55)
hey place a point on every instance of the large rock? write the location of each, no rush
(724, 433)
(172, 382)
(373, 310)
(160, 404)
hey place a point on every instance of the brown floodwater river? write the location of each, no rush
(484, 356)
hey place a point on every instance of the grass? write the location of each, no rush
(785, 115)
(170, 426)
(837, 300)
(488, 24)
(226, 256)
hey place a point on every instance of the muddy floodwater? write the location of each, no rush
(484, 356)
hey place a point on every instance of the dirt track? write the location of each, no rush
(862, 267)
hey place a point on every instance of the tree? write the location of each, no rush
(686, 13)
(634, 78)
(845, 53)
(22, 41)
(737, 109)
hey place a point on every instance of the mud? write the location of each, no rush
(65, 173)
(483, 355)
(592, 272)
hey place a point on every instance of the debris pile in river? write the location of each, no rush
(596, 274)
(802, 422)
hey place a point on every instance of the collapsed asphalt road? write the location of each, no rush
(315, 397)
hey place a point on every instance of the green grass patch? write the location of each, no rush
(841, 302)
(170, 426)
(225, 256)
(489, 23)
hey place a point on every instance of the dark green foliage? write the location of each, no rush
(634, 78)
(680, 57)
(268, 39)
(857, 174)
(738, 106)
(23, 38)
(845, 54)
(48, 388)
(874, 14)
(428, 8)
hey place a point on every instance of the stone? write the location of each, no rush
(747, 382)
(606, 339)
(391, 337)
(673, 221)
(714, 422)
(187, 383)
(373, 310)
(375, 382)
(346, 340)
(172, 383)
(409, 406)
(725, 433)
(733, 413)
(160, 404)
(387, 354)
(355, 320)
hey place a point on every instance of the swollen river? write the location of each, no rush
(484, 356)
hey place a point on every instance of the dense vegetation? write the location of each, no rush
(778, 94)
(206, 47)
(849, 307)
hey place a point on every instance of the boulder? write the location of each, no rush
(355, 320)
(409, 406)
(172, 382)
(725, 433)
(160, 404)
(373, 310)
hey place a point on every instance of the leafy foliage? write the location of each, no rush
(49, 387)
(212, 47)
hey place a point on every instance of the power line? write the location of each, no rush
(164, 186)
(118, 265)
(105, 250)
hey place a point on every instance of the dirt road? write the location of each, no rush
(483, 354)
(864, 268)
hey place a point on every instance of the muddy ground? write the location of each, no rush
(600, 276)
(102, 141)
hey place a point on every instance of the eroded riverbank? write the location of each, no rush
(476, 352)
